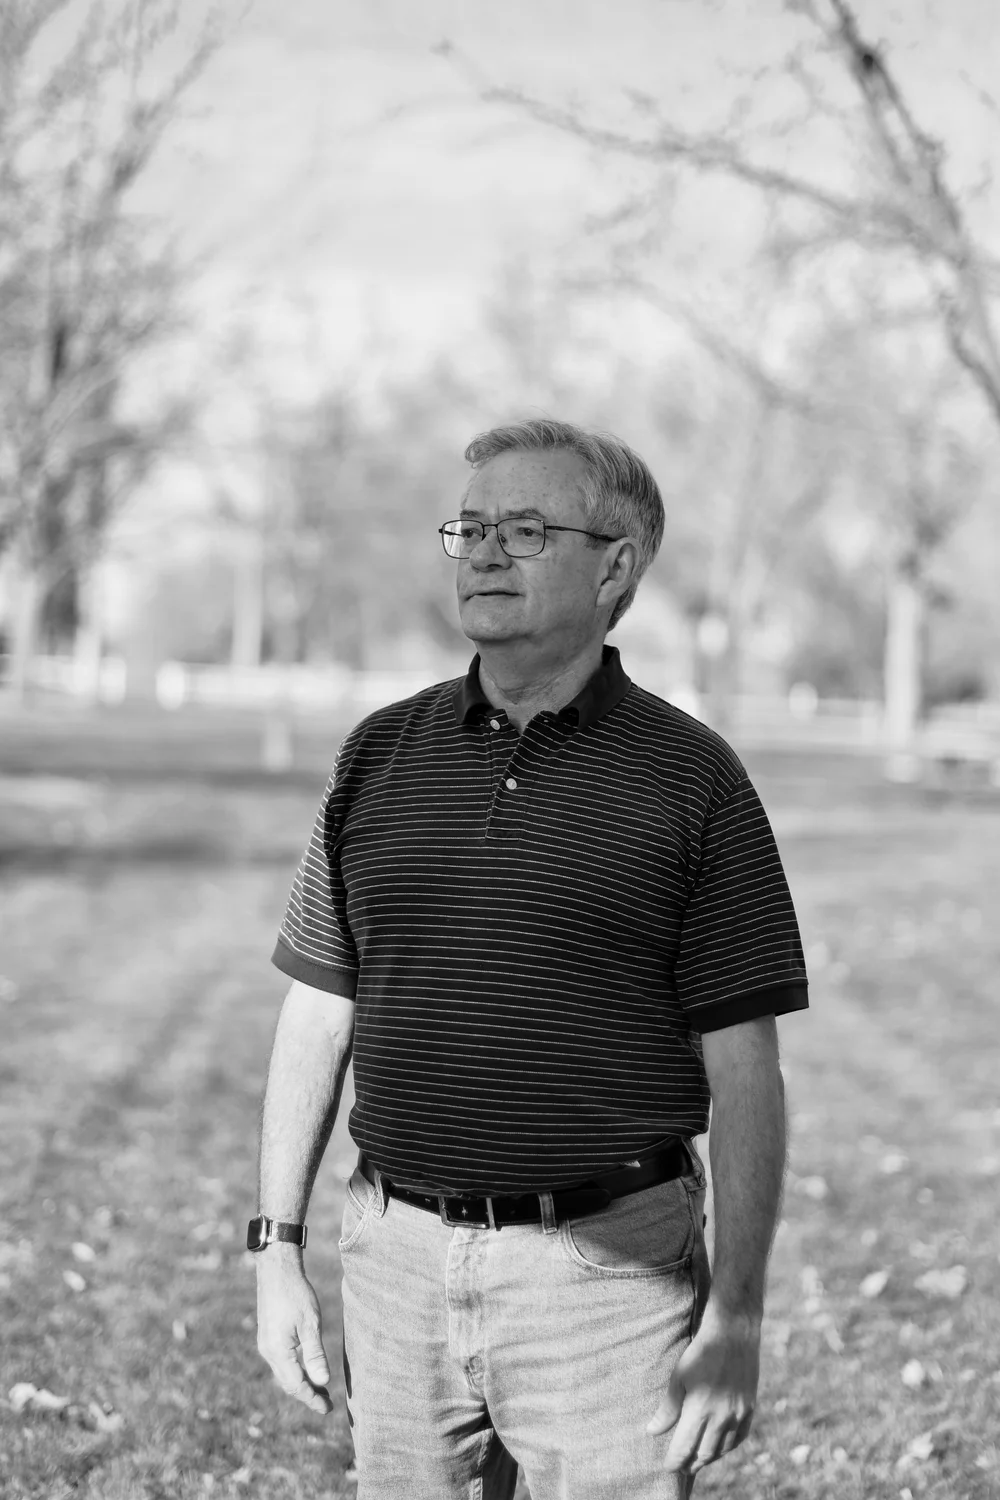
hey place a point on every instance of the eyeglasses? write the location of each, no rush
(522, 536)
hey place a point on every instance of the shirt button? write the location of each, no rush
(494, 723)
(510, 784)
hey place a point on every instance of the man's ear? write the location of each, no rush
(620, 570)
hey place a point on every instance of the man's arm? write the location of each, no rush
(312, 1048)
(714, 1385)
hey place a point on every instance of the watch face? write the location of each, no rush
(256, 1234)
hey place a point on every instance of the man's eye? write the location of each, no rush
(468, 530)
(528, 531)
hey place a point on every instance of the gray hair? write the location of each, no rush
(620, 494)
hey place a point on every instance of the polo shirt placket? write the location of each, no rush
(516, 776)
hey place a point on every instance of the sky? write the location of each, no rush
(346, 185)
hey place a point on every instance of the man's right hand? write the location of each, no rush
(289, 1327)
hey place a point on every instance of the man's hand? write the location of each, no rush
(289, 1328)
(711, 1394)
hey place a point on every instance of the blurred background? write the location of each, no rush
(265, 272)
(265, 269)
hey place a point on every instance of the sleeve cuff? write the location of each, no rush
(319, 976)
(775, 1000)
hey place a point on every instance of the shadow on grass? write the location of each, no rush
(187, 850)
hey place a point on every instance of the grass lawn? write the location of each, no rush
(136, 1009)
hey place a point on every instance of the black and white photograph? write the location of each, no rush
(499, 750)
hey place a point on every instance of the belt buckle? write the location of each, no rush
(488, 1223)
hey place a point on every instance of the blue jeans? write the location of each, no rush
(469, 1350)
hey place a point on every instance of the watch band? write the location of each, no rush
(263, 1231)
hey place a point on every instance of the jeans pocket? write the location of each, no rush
(359, 1200)
(649, 1233)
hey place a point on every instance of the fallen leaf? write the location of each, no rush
(778, 1337)
(74, 1281)
(105, 1421)
(240, 1476)
(922, 1251)
(810, 1282)
(839, 1455)
(19, 1395)
(179, 1330)
(941, 1283)
(44, 1400)
(918, 1451)
(913, 1374)
(210, 1261)
(83, 1252)
(800, 1453)
(874, 1284)
(254, 1431)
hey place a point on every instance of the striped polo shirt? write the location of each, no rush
(536, 928)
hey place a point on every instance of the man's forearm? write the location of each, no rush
(304, 1083)
(747, 1150)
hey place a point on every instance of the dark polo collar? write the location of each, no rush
(598, 696)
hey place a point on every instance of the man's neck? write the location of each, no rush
(523, 690)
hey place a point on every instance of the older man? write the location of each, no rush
(545, 910)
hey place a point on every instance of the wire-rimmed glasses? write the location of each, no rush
(519, 536)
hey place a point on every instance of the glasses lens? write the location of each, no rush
(522, 538)
(460, 537)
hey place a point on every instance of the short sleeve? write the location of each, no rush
(740, 954)
(314, 941)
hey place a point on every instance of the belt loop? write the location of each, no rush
(550, 1223)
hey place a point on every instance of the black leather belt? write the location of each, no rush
(525, 1208)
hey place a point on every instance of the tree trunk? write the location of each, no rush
(29, 593)
(902, 674)
(88, 643)
(248, 602)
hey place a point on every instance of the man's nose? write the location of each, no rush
(489, 553)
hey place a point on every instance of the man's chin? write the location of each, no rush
(489, 632)
(488, 620)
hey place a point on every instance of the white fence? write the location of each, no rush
(967, 733)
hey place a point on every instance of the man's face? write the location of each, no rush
(549, 598)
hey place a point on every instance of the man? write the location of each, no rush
(546, 911)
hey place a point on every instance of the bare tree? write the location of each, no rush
(901, 208)
(899, 224)
(84, 288)
(913, 457)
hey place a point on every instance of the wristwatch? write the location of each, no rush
(262, 1231)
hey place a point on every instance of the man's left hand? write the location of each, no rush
(711, 1394)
